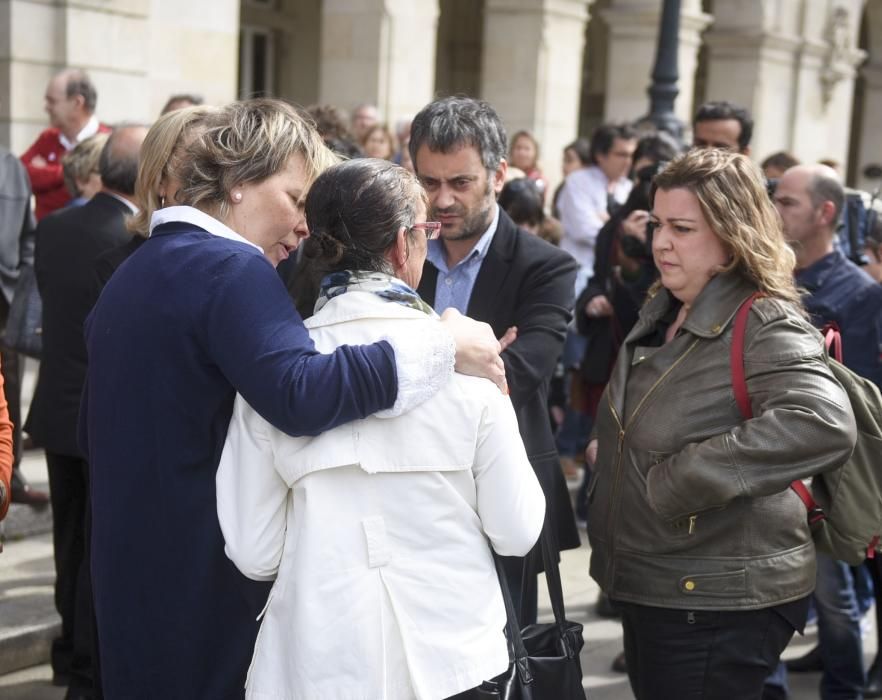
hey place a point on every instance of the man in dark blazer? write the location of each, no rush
(493, 271)
(68, 244)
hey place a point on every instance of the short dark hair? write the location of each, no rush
(658, 147)
(118, 163)
(582, 149)
(522, 201)
(827, 188)
(722, 109)
(194, 100)
(781, 160)
(354, 210)
(453, 122)
(78, 83)
(603, 137)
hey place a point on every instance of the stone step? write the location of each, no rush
(28, 620)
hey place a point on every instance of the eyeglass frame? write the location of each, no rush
(432, 229)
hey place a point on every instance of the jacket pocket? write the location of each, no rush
(726, 584)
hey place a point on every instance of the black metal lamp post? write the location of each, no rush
(663, 90)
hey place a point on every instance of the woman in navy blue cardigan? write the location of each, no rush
(195, 315)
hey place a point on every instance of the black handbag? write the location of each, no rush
(24, 326)
(544, 657)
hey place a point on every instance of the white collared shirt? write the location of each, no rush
(130, 204)
(90, 129)
(197, 217)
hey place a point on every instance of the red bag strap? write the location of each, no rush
(736, 359)
(742, 397)
(833, 340)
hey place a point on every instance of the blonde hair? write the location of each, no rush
(81, 161)
(247, 142)
(733, 199)
(161, 156)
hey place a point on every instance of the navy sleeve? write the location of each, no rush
(257, 338)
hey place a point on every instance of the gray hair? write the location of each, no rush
(354, 211)
(79, 83)
(826, 187)
(450, 123)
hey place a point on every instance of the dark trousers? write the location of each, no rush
(69, 492)
(692, 655)
(520, 574)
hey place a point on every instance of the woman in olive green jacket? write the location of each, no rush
(694, 532)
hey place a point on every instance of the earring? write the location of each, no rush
(161, 201)
(237, 197)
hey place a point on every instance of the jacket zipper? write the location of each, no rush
(615, 496)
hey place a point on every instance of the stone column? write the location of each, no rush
(379, 51)
(532, 70)
(137, 52)
(870, 149)
(824, 96)
(193, 46)
(633, 35)
(794, 71)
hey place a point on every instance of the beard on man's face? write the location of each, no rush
(474, 222)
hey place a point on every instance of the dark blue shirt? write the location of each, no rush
(186, 322)
(840, 292)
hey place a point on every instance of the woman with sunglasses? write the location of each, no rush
(376, 532)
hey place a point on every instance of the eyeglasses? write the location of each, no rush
(431, 228)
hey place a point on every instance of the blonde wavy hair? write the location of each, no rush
(81, 161)
(248, 142)
(731, 192)
(161, 157)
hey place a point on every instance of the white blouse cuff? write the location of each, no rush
(424, 362)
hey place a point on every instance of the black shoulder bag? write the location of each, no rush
(544, 657)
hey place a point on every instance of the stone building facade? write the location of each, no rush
(810, 70)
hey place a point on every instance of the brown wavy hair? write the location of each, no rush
(731, 192)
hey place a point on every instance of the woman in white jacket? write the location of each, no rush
(378, 533)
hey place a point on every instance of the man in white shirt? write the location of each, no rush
(585, 199)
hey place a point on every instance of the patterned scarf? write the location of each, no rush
(384, 286)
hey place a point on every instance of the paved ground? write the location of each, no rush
(28, 620)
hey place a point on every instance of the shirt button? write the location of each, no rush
(448, 281)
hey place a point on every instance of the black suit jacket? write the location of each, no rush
(528, 283)
(68, 244)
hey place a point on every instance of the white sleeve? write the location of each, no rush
(511, 503)
(251, 496)
(424, 362)
(580, 212)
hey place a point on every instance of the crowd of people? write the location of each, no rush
(309, 384)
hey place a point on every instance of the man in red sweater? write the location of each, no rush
(70, 104)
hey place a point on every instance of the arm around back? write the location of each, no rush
(254, 334)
